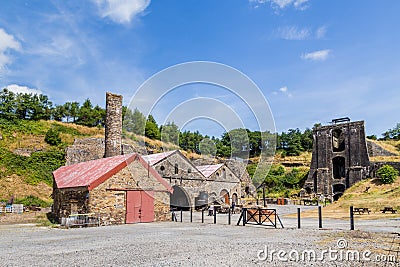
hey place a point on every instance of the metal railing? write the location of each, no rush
(86, 219)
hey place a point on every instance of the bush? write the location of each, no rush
(52, 137)
(32, 201)
(387, 174)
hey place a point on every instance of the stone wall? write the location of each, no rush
(84, 149)
(375, 150)
(376, 165)
(70, 201)
(113, 129)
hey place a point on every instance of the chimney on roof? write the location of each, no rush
(113, 139)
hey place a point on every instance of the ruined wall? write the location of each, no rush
(84, 150)
(113, 129)
(111, 204)
(339, 158)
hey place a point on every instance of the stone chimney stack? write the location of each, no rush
(113, 139)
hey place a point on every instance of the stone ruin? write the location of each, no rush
(339, 158)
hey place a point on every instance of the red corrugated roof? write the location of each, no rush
(92, 173)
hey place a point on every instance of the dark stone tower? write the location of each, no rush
(339, 158)
(113, 139)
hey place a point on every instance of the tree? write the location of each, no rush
(170, 133)
(59, 112)
(7, 104)
(41, 107)
(88, 115)
(74, 111)
(52, 137)
(307, 140)
(24, 106)
(387, 174)
(392, 133)
(207, 147)
(151, 129)
(134, 122)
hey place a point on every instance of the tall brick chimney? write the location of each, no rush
(113, 125)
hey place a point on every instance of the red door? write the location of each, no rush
(139, 206)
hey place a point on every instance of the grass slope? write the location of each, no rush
(27, 161)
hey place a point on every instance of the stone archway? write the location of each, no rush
(235, 198)
(179, 199)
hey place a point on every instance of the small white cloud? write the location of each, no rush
(293, 33)
(283, 90)
(18, 89)
(320, 55)
(7, 42)
(320, 32)
(301, 4)
(121, 11)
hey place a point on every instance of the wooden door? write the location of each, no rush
(147, 207)
(139, 206)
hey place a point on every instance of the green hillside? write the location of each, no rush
(27, 161)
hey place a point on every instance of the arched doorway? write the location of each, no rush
(179, 199)
(338, 190)
(235, 198)
(224, 196)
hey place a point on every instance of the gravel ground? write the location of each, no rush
(185, 244)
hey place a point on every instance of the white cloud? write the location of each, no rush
(22, 89)
(282, 4)
(293, 33)
(301, 4)
(319, 55)
(320, 32)
(283, 90)
(121, 11)
(7, 42)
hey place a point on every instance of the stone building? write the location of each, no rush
(221, 183)
(120, 189)
(339, 158)
(195, 186)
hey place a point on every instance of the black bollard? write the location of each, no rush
(181, 214)
(229, 216)
(191, 215)
(320, 216)
(202, 215)
(215, 215)
(244, 216)
(351, 218)
(298, 218)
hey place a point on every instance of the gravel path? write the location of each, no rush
(180, 244)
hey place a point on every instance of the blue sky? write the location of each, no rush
(312, 60)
